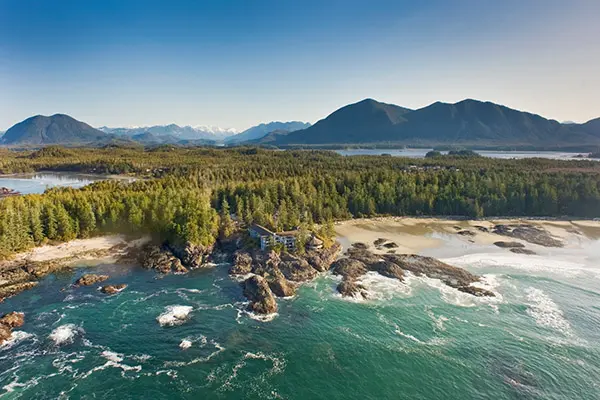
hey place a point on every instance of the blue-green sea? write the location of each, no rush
(188, 336)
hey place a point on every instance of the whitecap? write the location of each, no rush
(218, 350)
(185, 344)
(380, 287)
(546, 312)
(65, 334)
(174, 315)
(114, 360)
(16, 338)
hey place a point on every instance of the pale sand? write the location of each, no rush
(81, 248)
(412, 235)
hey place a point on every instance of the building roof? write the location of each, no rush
(261, 230)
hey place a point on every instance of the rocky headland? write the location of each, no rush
(8, 322)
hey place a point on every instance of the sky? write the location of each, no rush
(237, 63)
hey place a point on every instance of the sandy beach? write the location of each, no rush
(413, 235)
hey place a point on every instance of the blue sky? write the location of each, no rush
(238, 63)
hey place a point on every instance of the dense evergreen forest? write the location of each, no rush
(195, 194)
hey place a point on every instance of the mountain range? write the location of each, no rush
(467, 123)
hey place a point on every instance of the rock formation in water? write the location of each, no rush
(279, 272)
(90, 279)
(528, 233)
(8, 322)
(359, 261)
(262, 301)
(113, 289)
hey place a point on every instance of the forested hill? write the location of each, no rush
(187, 194)
(56, 129)
(469, 122)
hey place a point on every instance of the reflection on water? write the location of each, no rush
(420, 153)
(38, 182)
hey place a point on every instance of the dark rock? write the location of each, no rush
(528, 233)
(476, 291)
(14, 289)
(8, 322)
(519, 250)
(380, 242)
(262, 301)
(90, 279)
(162, 260)
(363, 255)
(390, 245)
(466, 233)
(349, 268)
(360, 246)
(389, 270)
(297, 269)
(482, 228)
(322, 259)
(349, 288)
(280, 286)
(432, 268)
(193, 256)
(13, 320)
(177, 266)
(113, 289)
(509, 245)
(242, 263)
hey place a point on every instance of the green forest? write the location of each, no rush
(194, 195)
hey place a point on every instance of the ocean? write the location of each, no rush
(188, 336)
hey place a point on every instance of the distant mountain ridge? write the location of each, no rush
(260, 131)
(469, 122)
(55, 129)
(181, 132)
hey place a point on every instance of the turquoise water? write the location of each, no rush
(538, 339)
(39, 182)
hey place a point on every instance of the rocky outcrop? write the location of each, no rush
(388, 269)
(349, 268)
(257, 290)
(280, 286)
(193, 256)
(14, 289)
(321, 259)
(161, 260)
(296, 268)
(349, 288)
(452, 276)
(281, 272)
(8, 322)
(519, 250)
(90, 279)
(528, 233)
(509, 245)
(113, 289)
(242, 263)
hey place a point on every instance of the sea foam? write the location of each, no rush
(546, 312)
(174, 315)
(65, 334)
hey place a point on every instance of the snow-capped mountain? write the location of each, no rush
(180, 132)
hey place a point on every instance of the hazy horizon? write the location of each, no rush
(235, 64)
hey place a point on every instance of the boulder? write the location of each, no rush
(362, 255)
(349, 268)
(90, 279)
(162, 260)
(388, 269)
(466, 232)
(359, 246)
(177, 267)
(296, 269)
(322, 259)
(280, 286)
(390, 245)
(380, 242)
(528, 233)
(262, 301)
(8, 322)
(476, 291)
(11, 290)
(193, 256)
(349, 288)
(13, 320)
(242, 263)
(519, 250)
(509, 245)
(113, 289)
